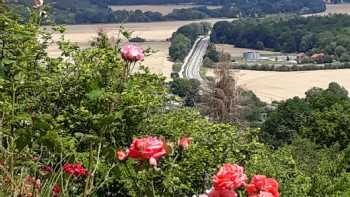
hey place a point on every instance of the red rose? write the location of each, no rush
(261, 186)
(184, 143)
(148, 148)
(230, 177)
(74, 169)
(222, 193)
(56, 190)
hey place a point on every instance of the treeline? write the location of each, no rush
(316, 34)
(184, 38)
(285, 68)
(93, 11)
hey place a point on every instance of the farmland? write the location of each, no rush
(267, 85)
(163, 9)
(155, 33)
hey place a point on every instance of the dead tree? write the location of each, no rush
(224, 94)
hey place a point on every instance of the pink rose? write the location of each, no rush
(148, 148)
(132, 53)
(230, 177)
(261, 186)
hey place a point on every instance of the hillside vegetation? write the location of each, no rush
(87, 124)
(328, 34)
(93, 11)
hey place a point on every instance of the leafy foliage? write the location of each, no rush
(321, 116)
(82, 106)
(314, 34)
(188, 89)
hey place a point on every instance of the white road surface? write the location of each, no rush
(193, 62)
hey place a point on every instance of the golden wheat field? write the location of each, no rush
(277, 86)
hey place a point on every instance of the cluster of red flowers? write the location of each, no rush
(261, 186)
(149, 148)
(231, 177)
(74, 169)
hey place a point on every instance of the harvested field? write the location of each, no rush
(158, 61)
(277, 86)
(335, 9)
(236, 52)
(163, 9)
(271, 86)
(153, 31)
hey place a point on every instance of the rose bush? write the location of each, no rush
(262, 186)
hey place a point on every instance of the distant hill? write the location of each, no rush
(98, 11)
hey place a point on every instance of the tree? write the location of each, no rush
(322, 99)
(345, 57)
(223, 99)
(330, 127)
(284, 123)
(212, 53)
(339, 50)
(186, 88)
(260, 45)
(180, 46)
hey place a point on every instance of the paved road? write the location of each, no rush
(193, 62)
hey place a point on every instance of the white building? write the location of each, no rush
(251, 56)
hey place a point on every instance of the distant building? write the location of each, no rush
(333, 1)
(251, 56)
(318, 57)
(300, 57)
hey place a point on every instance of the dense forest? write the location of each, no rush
(329, 34)
(93, 11)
